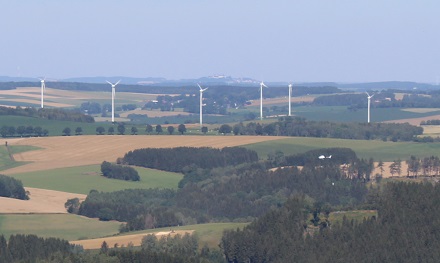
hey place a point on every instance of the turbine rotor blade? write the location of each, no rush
(117, 82)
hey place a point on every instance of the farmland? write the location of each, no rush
(71, 164)
(379, 150)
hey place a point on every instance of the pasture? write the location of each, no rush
(209, 234)
(66, 226)
(82, 179)
(378, 150)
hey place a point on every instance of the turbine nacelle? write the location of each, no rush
(113, 85)
(201, 89)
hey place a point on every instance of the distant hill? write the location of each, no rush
(222, 80)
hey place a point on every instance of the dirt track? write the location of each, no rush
(59, 152)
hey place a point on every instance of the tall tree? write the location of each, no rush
(181, 128)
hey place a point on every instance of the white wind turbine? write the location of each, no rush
(261, 99)
(369, 101)
(201, 104)
(113, 98)
(290, 99)
(43, 87)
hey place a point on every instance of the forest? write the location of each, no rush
(227, 193)
(175, 159)
(400, 233)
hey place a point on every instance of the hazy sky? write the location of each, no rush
(310, 40)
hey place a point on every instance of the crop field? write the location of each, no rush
(209, 234)
(342, 114)
(379, 150)
(82, 179)
(68, 98)
(66, 226)
(61, 152)
(5, 160)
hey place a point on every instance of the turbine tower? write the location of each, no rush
(261, 99)
(113, 98)
(201, 104)
(369, 99)
(43, 87)
(290, 100)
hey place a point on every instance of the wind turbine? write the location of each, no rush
(43, 87)
(201, 104)
(290, 101)
(261, 99)
(113, 98)
(369, 99)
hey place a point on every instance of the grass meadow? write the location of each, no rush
(209, 234)
(6, 162)
(82, 179)
(66, 226)
(378, 150)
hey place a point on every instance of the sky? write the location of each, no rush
(277, 40)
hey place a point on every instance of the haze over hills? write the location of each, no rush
(219, 80)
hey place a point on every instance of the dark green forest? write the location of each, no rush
(402, 232)
(295, 126)
(175, 159)
(114, 171)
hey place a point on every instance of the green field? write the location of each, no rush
(66, 226)
(6, 162)
(209, 234)
(378, 150)
(82, 179)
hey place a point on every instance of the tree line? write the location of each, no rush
(31, 248)
(289, 126)
(403, 232)
(11, 131)
(13, 188)
(47, 113)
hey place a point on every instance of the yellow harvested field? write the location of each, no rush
(59, 152)
(431, 129)
(41, 201)
(386, 173)
(415, 121)
(135, 240)
(38, 102)
(421, 110)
